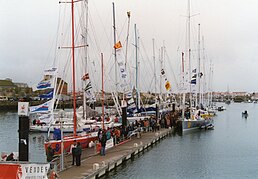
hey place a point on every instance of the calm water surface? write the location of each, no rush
(9, 138)
(229, 151)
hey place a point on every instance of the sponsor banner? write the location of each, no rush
(38, 171)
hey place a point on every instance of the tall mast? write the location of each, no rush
(127, 36)
(154, 63)
(161, 68)
(114, 27)
(204, 74)
(189, 57)
(102, 70)
(73, 74)
(183, 86)
(86, 58)
(199, 65)
(136, 68)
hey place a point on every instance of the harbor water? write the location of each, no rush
(228, 151)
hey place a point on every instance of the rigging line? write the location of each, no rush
(64, 23)
(148, 59)
(101, 21)
(122, 30)
(94, 34)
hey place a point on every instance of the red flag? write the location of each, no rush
(86, 77)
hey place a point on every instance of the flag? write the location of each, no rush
(86, 77)
(162, 72)
(46, 84)
(118, 45)
(194, 70)
(42, 108)
(88, 86)
(167, 86)
(129, 95)
(47, 95)
(51, 71)
(128, 13)
(193, 81)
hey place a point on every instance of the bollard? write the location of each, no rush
(95, 166)
(141, 143)
(138, 135)
(156, 134)
(135, 145)
(103, 164)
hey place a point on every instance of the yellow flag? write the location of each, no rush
(167, 86)
(118, 45)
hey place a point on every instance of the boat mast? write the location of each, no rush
(204, 101)
(114, 28)
(126, 48)
(127, 36)
(154, 63)
(136, 69)
(161, 68)
(189, 58)
(102, 70)
(183, 86)
(73, 73)
(199, 66)
(86, 59)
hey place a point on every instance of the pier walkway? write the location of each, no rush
(93, 165)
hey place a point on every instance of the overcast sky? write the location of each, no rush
(230, 29)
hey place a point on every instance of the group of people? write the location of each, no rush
(75, 150)
(119, 134)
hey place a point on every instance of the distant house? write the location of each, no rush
(7, 88)
(63, 86)
(21, 85)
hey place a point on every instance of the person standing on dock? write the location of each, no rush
(78, 153)
(103, 143)
(72, 151)
(50, 153)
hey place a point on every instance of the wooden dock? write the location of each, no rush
(93, 165)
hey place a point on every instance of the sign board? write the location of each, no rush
(110, 143)
(123, 104)
(24, 171)
(35, 171)
(23, 108)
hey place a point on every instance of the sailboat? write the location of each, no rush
(64, 143)
(192, 117)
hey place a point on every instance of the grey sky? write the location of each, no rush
(230, 28)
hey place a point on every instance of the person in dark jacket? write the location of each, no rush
(78, 153)
(50, 153)
(103, 144)
(10, 157)
(72, 151)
